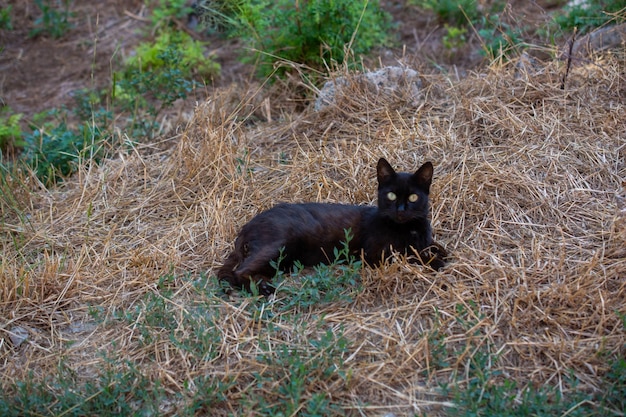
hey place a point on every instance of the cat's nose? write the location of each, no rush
(401, 207)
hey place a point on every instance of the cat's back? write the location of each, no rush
(299, 213)
(287, 220)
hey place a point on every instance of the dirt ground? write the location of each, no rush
(41, 73)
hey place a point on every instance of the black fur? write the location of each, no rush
(310, 232)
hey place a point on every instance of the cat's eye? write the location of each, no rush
(413, 198)
(391, 196)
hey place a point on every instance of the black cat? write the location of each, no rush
(310, 232)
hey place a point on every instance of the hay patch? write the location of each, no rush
(528, 197)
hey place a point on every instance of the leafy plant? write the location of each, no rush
(5, 18)
(498, 37)
(10, 130)
(328, 283)
(454, 37)
(314, 33)
(589, 14)
(54, 149)
(290, 372)
(159, 74)
(456, 13)
(165, 12)
(54, 19)
(174, 50)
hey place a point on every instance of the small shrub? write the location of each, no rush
(314, 33)
(174, 50)
(454, 12)
(454, 37)
(498, 38)
(159, 74)
(54, 149)
(589, 14)
(165, 12)
(54, 19)
(10, 130)
(5, 18)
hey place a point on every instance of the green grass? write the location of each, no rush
(117, 390)
(480, 388)
(292, 374)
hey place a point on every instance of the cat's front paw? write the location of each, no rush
(434, 256)
(265, 288)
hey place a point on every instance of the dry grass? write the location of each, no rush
(528, 196)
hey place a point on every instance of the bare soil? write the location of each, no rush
(40, 73)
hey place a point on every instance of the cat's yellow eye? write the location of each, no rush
(391, 196)
(413, 198)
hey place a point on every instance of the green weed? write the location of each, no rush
(118, 390)
(498, 38)
(54, 19)
(10, 130)
(194, 329)
(487, 392)
(165, 12)
(613, 394)
(453, 12)
(54, 149)
(590, 14)
(174, 50)
(454, 37)
(290, 371)
(336, 282)
(204, 395)
(314, 33)
(5, 18)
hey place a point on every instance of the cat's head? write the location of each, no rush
(403, 196)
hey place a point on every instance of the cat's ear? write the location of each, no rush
(384, 171)
(424, 175)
